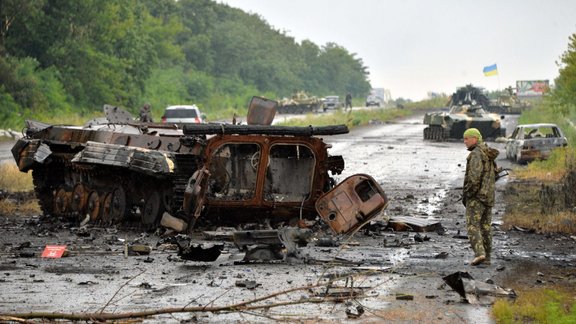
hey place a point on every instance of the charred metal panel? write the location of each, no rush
(137, 159)
(404, 223)
(261, 111)
(27, 152)
(351, 203)
(195, 195)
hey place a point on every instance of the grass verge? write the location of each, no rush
(13, 181)
(537, 306)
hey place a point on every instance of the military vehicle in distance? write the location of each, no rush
(116, 170)
(508, 103)
(299, 103)
(467, 110)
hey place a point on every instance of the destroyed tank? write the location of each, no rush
(299, 103)
(115, 170)
(467, 110)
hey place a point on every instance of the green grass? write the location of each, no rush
(537, 306)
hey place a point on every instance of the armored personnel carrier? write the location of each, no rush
(467, 110)
(451, 125)
(299, 103)
(117, 170)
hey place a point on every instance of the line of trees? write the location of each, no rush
(67, 56)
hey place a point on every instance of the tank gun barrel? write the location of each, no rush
(224, 129)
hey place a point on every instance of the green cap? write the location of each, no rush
(473, 132)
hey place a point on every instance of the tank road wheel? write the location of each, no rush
(113, 206)
(79, 198)
(118, 205)
(153, 208)
(61, 202)
(106, 208)
(93, 206)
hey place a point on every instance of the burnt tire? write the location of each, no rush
(153, 209)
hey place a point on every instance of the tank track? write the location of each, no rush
(104, 195)
(436, 133)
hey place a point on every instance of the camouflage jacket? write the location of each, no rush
(479, 181)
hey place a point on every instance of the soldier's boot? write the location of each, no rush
(478, 260)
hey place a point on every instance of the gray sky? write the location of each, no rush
(411, 47)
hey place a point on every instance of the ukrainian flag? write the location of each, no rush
(490, 70)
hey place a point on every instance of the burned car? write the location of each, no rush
(117, 170)
(531, 142)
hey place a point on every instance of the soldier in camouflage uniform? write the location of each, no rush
(145, 114)
(478, 195)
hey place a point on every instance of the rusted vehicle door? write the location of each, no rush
(352, 203)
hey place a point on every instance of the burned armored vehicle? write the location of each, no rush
(466, 111)
(299, 103)
(118, 170)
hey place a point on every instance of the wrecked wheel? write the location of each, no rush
(61, 202)
(93, 206)
(114, 206)
(152, 209)
(79, 198)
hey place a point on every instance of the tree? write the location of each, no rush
(565, 84)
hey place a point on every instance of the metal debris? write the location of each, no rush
(476, 292)
(414, 224)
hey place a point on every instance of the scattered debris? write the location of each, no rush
(203, 252)
(269, 245)
(419, 238)
(400, 296)
(441, 255)
(138, 249)
(414, 224)
(476, 292)
(177, 224)
(248, 284)
(328, 241)
(354, 312)
(341, 293)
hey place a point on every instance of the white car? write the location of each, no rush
(182, 114)
(531, 142)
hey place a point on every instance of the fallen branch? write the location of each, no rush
(100, 316)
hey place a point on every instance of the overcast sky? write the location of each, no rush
(412, 47)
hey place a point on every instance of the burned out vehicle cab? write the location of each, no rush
(205, 173)
(467, 110)
(263, 172)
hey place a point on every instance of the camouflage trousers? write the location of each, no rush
(479, 221)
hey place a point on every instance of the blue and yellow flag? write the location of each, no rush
(490, 70)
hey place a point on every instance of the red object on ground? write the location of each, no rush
(54, 251)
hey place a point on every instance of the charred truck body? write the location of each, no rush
(119, 170)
